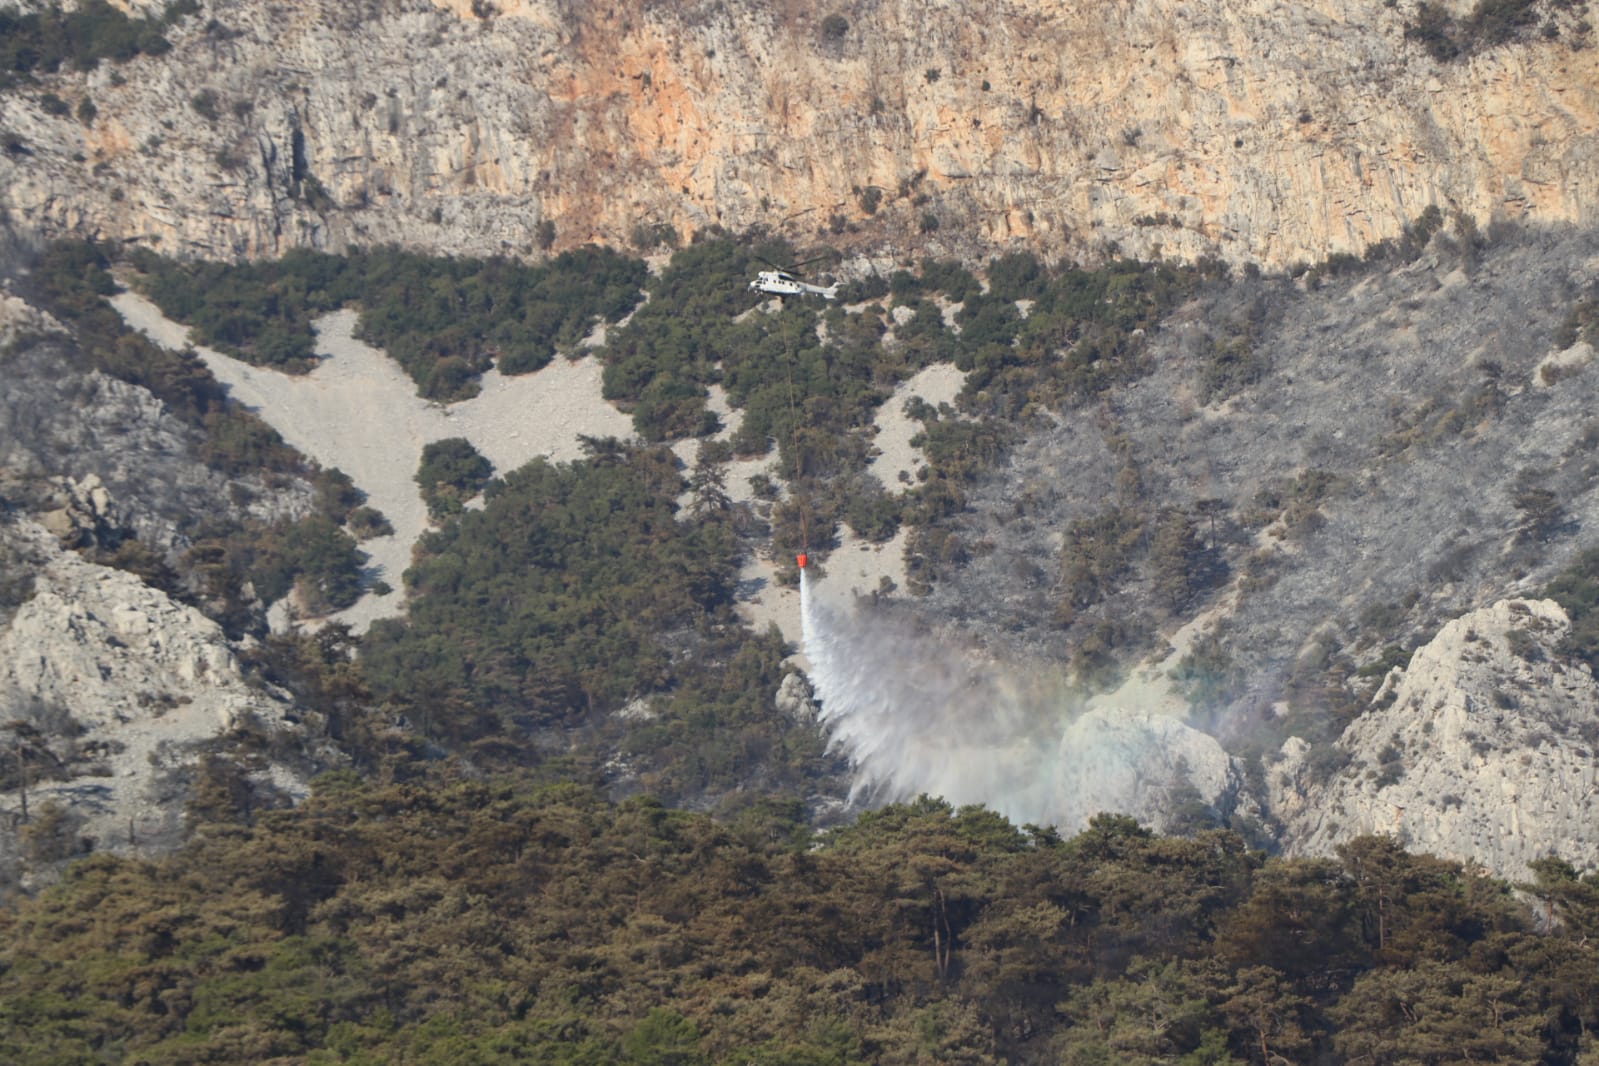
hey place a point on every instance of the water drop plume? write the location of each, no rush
(916, 713)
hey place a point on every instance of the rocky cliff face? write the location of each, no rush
(1482, 749)
(1251, 129)
(114, 692)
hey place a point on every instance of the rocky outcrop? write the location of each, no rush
(1482, 749)
(89, 454)
(117, 701)
(20, 319)
(80, 511)
(116, 691)
(1152, 766)
(1250, 129)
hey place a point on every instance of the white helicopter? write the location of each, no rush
(785, 283)
(782, 283)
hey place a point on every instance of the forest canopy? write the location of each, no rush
(458, 920)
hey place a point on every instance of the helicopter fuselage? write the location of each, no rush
(782, 283)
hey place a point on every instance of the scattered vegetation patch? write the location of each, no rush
(1580, 324)
(1182, 566)
(1207, 676)
(444, 320)
(1442, 418)
(368, 522)
(1098, 550)
(1234, 365)
(205, 105)
(230, 569)
(796, 391)
(1295, 502)
(1577, 590)
(313, 556)
(1491, 23)
(1390, 769)
(71, 280)
(42, 41)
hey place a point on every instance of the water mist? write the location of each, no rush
(916, 714)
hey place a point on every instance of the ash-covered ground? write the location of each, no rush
(1362, 455)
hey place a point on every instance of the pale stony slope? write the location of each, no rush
(1481, 749)
(1253, 129)
(126, 687)
(358, 411)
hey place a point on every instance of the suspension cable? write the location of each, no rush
(793, 423)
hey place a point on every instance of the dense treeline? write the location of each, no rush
(445, 320)
(445, 920)
(575, 590)
(41, 41)
(552, 598)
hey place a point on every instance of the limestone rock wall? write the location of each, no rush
(1253, 129)
(122, 688)
(1483, 749)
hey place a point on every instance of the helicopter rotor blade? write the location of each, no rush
(797, 269)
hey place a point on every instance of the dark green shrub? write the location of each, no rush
(204, 103)
(368, 522)
(451, 472)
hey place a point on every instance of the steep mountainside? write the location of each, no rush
(1252, 129)
(1362, 463)
(119, 699)
(1262, 497)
